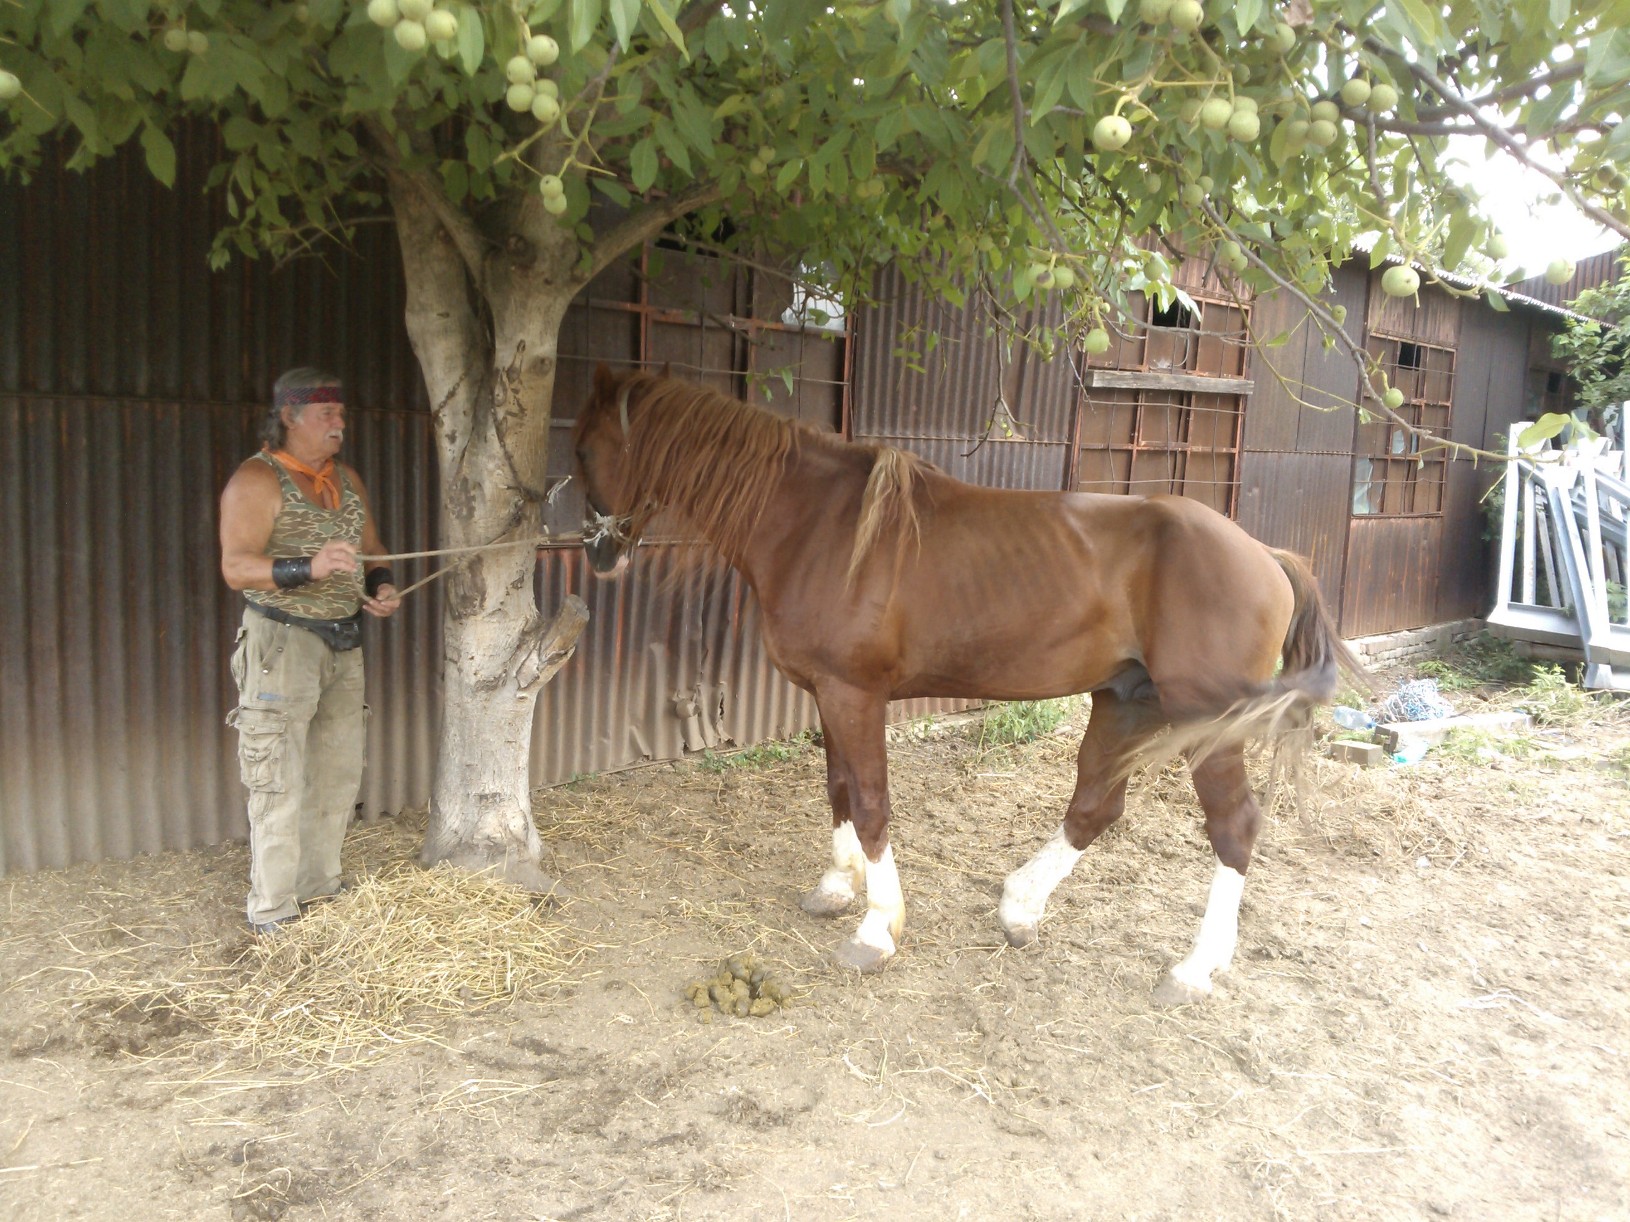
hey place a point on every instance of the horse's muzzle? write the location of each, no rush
(606, 556)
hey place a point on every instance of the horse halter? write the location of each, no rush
(613, 526)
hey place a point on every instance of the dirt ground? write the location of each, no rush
(1429, 1014)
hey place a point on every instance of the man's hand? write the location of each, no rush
(383, 603)
(337, 556)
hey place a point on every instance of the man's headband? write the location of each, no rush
(299, 396)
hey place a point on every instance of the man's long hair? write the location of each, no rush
(294, 390)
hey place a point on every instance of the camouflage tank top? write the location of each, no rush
(301, 529)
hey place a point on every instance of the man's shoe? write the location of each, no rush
(270, 929)
(327, 895)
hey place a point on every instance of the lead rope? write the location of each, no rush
(466, 554)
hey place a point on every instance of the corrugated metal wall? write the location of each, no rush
(1296, 468)
(131, 385)
(130, 380)
(940, 399)
(1381, 574)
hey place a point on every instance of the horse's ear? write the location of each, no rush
(605, 382)
(667, 370)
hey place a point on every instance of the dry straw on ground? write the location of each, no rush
(375, 968)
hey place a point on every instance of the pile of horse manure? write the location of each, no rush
(741, 986)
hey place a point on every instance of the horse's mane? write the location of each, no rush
(673, 424)
(890, 494)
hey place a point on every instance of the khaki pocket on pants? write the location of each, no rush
(240, 660)
(262, 748)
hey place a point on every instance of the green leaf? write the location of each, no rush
(642, 165)
(1497, 302)
(788, 173)
(1463, 231)
(65, 14)
(585, 20)
(160, 154)
(1422, 24)
(1080, 74)
(613, 190)
(1543, 429)
(670, 27)
(1245, 14)
(239, 133)
(624, 16)
(472, 39)
(1544, 114)
(1608, 60)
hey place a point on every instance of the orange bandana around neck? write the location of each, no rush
(324, 482)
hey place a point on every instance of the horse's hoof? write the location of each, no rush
(1019, 936)
(823, 903)
(1173, 992)
(859, 956)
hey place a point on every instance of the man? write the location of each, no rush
(293, 521)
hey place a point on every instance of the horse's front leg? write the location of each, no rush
(836, 891)
(858, 773)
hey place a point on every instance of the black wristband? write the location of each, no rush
(382, 576)
(291, 571)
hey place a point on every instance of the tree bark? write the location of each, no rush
(486, 337)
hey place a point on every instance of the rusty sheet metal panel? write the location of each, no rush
(1589, 273)
(1431, 316)
(1393, 567)
(1311, 411)
(1300, 502)
(953, 389)
(670, 665)
(114, 297)
(114, 685)
(997, 463)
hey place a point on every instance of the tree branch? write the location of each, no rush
(647, 223)
(1525, 89)
(1507, 143)
(1011, 38)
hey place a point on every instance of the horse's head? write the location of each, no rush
(600, 443)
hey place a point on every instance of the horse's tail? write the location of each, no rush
(1312, 661)
(1314, 656)
(890, 496)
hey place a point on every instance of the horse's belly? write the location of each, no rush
(1025, 654)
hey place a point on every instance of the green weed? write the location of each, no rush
(1554, 701)
(761, 755)
(1483, 661)
(1023, 721)
(1470, 745)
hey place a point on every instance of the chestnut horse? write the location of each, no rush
(882, 578)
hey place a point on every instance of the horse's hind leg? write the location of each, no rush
(836, 891)
(1232, 819)
(1117, 727)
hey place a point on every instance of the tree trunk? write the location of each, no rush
(491, 395)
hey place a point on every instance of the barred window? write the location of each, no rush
(1173, 433)
(1395, 472)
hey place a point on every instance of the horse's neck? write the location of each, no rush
(813, 505)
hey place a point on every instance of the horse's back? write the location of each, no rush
(1041, 593)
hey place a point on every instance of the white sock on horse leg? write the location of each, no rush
(848, 872)
(1219, 931)
(885, 905)
(1025, 893)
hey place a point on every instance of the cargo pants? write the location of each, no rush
(302, 731)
